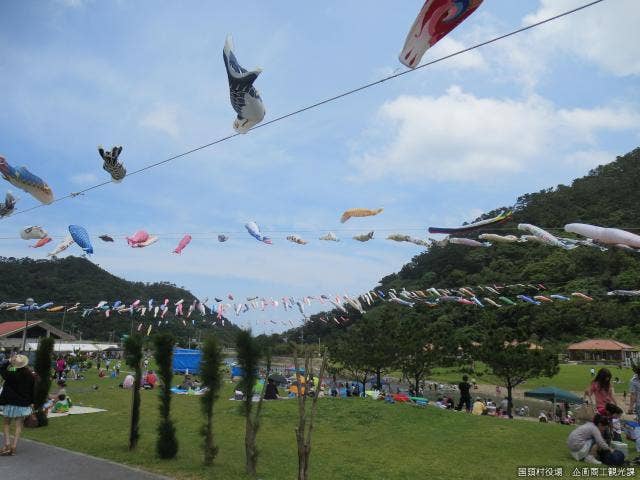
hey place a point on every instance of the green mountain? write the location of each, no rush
(607, 196)
(73, 279)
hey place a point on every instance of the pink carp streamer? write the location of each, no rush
(183, 243)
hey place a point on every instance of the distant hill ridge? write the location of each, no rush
(74, 279)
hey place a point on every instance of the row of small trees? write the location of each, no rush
(249, 355)
(413, 341)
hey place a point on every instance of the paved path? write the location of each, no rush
(36, 460)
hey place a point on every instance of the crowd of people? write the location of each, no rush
(593, 442)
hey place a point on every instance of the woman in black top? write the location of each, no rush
(465, 393)
(271, 393)
(16, 398)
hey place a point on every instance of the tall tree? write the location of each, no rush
(167, 444)
(305, 422)
(133, 357)
(422, 345)
(514, 362)
(349, 353)
(249, 354)
(211, 379)
(42, 367)
(375, 330)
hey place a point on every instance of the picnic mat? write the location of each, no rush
(76, 411)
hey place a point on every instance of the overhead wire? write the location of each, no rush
(320, 103)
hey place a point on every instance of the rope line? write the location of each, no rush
(320, 103)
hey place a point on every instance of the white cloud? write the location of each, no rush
(606, 34)
(472, 60)
(461, 137)
(84, 178)
(162, 118)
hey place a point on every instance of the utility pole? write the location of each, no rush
(64, 315)
(28, 303)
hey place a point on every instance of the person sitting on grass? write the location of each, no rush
(149, 381)
(449, 403)
(479, 407)
(355, 391)
(187, 383)
(128, 382)
(62, 405)
(568, 418)
(52, 399)
(585, 441)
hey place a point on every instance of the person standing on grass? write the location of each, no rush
(16, 398)
(61, 365)
(634, 391)
(465, 393)
(271, 392)
(600, 392)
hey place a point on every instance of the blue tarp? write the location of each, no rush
(185, 359)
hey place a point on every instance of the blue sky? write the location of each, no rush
(436, 147)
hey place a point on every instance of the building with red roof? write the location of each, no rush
(11, 333)
(602, 351)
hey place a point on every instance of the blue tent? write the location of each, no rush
(185, 359)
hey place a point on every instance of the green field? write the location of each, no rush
(355, 438)
(571, 377)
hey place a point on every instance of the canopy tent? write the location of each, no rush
(63, 347)
(186, 361)
(107, 347)
(554, 394)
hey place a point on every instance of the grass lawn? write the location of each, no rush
(354, 438)
(571, 377)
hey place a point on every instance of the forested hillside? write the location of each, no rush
(607, 196)
(73, 279)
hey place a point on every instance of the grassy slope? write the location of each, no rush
(356, 439)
